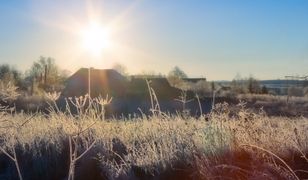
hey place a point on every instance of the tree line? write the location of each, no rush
(46, 76)
(43, 75)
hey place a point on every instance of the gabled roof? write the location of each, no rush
(102, 82)
(109, 81)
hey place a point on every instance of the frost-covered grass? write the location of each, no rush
(85, 145)
(244, 146)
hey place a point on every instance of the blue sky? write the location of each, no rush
(215, 39)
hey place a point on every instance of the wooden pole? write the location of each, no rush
(89, 82)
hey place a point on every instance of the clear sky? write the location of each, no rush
(215, 39)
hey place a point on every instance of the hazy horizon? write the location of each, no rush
(212, 39)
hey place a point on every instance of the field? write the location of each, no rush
(277, 105)
(219, 145)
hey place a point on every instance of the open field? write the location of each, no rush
(216, 146)
(277, 105)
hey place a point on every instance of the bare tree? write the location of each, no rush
(45, 74)
(9, 74)
(44, 70)
(253, 85)
(177, 72)
(175, 76)
(120, 68)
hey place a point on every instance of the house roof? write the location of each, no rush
(109, 81)
(102, 82)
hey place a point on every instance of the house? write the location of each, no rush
(102, 82)
(109, 81)
(129, 95)
(160, 85)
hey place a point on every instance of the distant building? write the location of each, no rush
(161, 86)
(109, 81)
(102, 82)
(193, 80)
(130, 95)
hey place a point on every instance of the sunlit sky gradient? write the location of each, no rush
(215, 39)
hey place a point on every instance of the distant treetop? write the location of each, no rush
(177, 72)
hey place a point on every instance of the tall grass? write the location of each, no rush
(220, 145)
(150, 146)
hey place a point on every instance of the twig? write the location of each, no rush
(27, 120)
(82, 154)
(14, 159)
(200, 107)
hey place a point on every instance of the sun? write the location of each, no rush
(95, 38)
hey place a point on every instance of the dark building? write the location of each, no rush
(102, 82)
(129, 96)
(193, 80)
(109, 81)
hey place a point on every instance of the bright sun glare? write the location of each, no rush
(96, 38)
